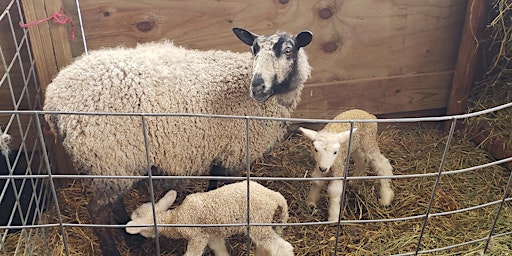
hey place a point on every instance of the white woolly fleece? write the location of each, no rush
(162, 78)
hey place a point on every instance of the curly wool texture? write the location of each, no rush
(225, 205)
(163, 78)
(365, 136)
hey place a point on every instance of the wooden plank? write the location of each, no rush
(476, 15)
(51, 51)
(361, 39)
(48, 40)
(381, 95)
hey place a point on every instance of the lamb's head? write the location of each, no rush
(144, 215)
(280, 64)
(326, 146)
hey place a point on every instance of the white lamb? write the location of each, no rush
(161, 77)
(225, 205)
(330, 148)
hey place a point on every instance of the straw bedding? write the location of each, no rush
(411, 150)
(494, 88)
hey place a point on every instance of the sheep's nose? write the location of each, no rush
(322, 169)
(257, 84)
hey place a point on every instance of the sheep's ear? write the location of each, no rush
(310, 134)
(166, 201)
(303, 38)
(343, 137)
(245, 36)
(133, 230)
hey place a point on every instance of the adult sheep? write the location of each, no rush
(165, 78)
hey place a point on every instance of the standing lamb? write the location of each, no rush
(330, 148)
(225, 205)
(164, 78)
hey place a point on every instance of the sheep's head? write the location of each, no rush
(276, 62)
(326, 146)
(144, 215)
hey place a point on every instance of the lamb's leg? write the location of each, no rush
(196, 246)
(381, 166)
(218, 246)
(316, 188)
(334, 190)
(360, 163)
(275, 246)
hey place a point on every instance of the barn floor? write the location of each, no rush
(411, 150)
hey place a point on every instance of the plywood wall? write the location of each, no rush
(380, 55)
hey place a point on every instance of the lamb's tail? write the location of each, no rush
(283, 214)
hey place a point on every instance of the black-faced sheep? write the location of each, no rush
(164, 78)
(329, 150)
(225, 205)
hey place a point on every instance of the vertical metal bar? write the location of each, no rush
(500, 208)
(343, 192)
(436, 184)
(151, 187)
(248, 175)
(52, 184)
(79, 11)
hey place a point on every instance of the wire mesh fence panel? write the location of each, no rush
(23, 195)
(444, 203)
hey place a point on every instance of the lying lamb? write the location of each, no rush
(212, 208)
(330, 148)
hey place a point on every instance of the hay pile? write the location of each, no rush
(411, 150)
(495, 88)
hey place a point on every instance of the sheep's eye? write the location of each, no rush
(316, 150)
(335, 152)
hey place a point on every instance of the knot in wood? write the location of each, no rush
(330, 47)
(325, 13)
(145, 26)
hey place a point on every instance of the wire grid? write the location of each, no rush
(426, 216)
(22, 196)
(36, 180)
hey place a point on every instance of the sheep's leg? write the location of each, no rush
(316, 188)
(381, 166)
(334, 190)
(121, 216)
(215, 170)
(196, 246)
(100, 214)
(360, 163)
(275, 246)
(218, 246)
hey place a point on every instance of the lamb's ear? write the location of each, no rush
(245, 36)
(343, 137)
(133, 230)
(310, 134)
(166, 201)
(303, 38)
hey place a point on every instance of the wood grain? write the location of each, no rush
(353, 40)
(380, 95)
(474, 25)
(49, 42)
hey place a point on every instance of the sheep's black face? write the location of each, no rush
(275, 61)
